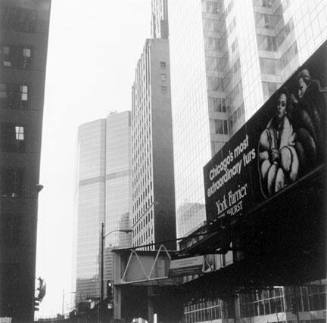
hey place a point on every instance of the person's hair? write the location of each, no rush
(305, 75)
(285, 91)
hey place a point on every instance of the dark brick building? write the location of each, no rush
(24, 26)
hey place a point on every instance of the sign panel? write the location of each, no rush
(194, 265)
(186, 266)
(281, 143)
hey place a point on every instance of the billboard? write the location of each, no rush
(194, 265)
(281, 143)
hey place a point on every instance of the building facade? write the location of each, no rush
(227, 58)
(153, 204)
(159, 19)
(118, 186)
(24, 27)
(91, 196)
(103, 196)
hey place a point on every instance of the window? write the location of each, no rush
(229, 7)
(236, 116)
(234, 45)
(163, 65)
(288, 28)
(3, 91)
(268, 66)
(18, 19)
(16, 56)
(221, 127)
(164, 89)
(212, 7)
(288, 55)
(212, 63)
(217, 104)
(211, 25)
(14, 96)
(12, 182)
(211, 43)
(267, 43)
(215, 83)
(163, 77)
(263, 3)
(12, 137)
(10, 231)
(19, 133)
(269, 88)
(24, 92)
(266, 21)
(231, 26)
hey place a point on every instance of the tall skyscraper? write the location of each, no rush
(159, 19)
(118, 185)
(24, 27)
(91, 197)
(153, 203)
(103, 196)
(227, 58)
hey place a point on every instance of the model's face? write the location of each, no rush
(281, 106)
(302, 87)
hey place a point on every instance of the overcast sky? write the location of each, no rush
(93, 50)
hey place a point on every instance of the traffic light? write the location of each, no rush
(36, 304)
(109, 291)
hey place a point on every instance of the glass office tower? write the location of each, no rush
(227, 58)
(103, 196)
(118, 186)
(90, 206)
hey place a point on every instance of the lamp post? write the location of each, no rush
(103, 235)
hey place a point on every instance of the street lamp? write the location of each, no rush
(102, 238)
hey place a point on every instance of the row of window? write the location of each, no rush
(284, 32)
(211, 25)
(14, 96)
(16, 56)
(232, 73)
(259, 303)
(18, 19)
(231, 26)
(221, 127)
(218, 104)
(215, 83)
(207, 310)
(288, 55)
(273, 66)
(263, 20)
(266, 43)
(307, 298)
(10, 230)
(12, 137)
(212, 43)
(236, 115)
(12, 182)
(213, 6)
(264, 3)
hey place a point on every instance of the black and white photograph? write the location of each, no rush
(163, 161)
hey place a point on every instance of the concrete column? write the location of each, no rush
(117, 297)
(237, 309)
(150, 305)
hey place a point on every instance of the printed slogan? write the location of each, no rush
(233, 165)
